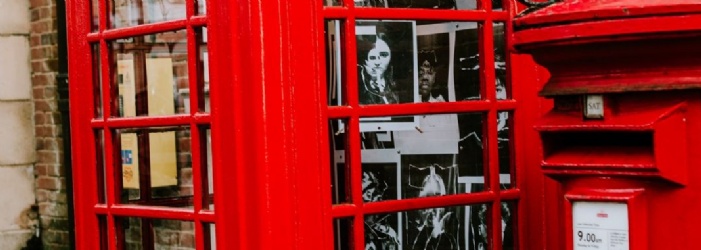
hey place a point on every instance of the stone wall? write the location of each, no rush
(17, 155)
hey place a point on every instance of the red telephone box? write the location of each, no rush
(622, 139)
(364, 124)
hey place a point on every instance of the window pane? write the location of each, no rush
(95, 12)
(497, 4)
(334, 62)
(500, 66)
(386, 55)
(210, 240)
(125, 13)
(162, 234)
(445, 228)
(150, 73)
(426, 4)
(417, 61)
(97, 79)
(173, 234)
(343, 234)
(340, 174)
(132, 233)
(201, 7)
(508, 225)
(332, 2)
(504, 135)
(156, 166)
(412, 156)
(467, 62)
(208, 188)
(100, 164)
(204, 69)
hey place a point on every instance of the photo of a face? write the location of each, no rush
(378, 59)
(427, 78)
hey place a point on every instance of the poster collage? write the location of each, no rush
(422, 155)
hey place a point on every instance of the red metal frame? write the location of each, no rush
(267, 120)
(352, 111)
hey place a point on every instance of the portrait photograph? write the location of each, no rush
(387, 66)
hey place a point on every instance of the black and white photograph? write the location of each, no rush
(500, 62)
(433, 228)
(386, 61)
(467, 62)
(476, 216)
(387, 66)
(379, 183)
(433, 43)
(438, 133)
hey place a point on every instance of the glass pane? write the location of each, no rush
(95, 12)
(210, 240)
(386, 61)
(163, 234)
(173, 234)
(102, 224)
(97, 79)
(156, 166)
(415, 61)
(201, 7)
(334, 72)
(204, 68)
(125, 13)
(383, 231)
(426, 4)
(132, 230)
(444, 228)
(503, 88)
(467, 62)
(497, 5)
(504, 135)
(209, 184)
(508, 225)
(332, 2)
(100, 163)
(477, 227)
(343, 234)
(340, 188)
(150, 73)
(413, 156)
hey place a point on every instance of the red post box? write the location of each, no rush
(624, 136)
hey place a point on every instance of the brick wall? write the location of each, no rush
(50, 182)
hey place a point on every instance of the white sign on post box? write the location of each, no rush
(594, 107)
(600, 225)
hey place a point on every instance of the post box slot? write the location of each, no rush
(599, 149)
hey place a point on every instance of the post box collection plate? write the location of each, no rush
(600, 225)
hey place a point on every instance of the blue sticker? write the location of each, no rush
(127, 157)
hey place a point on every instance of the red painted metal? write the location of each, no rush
(641, 56)
(269, 124)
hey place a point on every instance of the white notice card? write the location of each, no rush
(600, 225)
